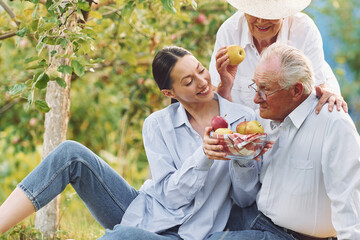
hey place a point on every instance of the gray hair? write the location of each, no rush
(294, 66)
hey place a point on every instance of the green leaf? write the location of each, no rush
(34, 1)
(42, 81)
(63, 42)
(31, 59)
(42, 106)
(40, 44)
(65, 69)
(43, 63)
(54, 5)
(49, 4)
(17, 89)
(22, 32)
(168, 5)
(127, 10)
(61, 82)
(29, 101)
(53, 52)
(83, 5)
(78, 68)
(46, 26)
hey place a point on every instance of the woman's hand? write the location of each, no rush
(268, 145)
(330, 97)
(211, 147)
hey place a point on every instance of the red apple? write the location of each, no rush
(218, 122)
(200, 19)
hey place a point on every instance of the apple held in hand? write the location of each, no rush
(218, 122)
(236, 54)
(223, 131)
(249, 127)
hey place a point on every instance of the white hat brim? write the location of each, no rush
(270, 9)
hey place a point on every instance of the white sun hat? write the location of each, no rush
(270, 9)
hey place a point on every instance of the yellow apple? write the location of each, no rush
(249, 127)
(236, 54)
(223, 131)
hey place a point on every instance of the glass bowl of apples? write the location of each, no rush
(243, 145)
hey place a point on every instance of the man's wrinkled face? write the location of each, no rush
(278, 101)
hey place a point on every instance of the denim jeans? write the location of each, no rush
(249, 224)
(105, 193)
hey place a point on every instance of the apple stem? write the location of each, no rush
(225, 115)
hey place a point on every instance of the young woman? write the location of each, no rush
(190, 194)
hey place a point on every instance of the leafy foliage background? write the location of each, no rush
(112, 90)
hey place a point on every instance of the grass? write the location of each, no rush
(76, 222)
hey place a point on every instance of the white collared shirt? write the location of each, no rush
(187, 188)
(311, 177)
(298, 31)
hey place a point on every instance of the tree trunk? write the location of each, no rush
(56, 123)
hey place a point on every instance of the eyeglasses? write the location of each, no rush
(261, 92)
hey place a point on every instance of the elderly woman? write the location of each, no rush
(256, 25)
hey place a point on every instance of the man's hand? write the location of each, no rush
(227, 73)
(211, 147)
(332, 98)
(268, 145)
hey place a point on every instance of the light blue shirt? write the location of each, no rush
(187, 188)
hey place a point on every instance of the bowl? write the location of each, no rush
(241, 147)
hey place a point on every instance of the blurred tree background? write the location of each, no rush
(112, 90)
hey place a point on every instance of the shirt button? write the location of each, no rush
(198, 203)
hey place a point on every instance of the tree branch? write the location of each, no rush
(8, 9)
(7, 35)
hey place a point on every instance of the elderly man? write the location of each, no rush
(310, 179)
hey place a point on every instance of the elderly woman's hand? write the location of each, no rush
(211, 147)
(330, 97)
(227, 73)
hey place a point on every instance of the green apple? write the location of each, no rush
(249, 127)
(236, 54)
(223, 131)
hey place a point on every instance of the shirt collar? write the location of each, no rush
(283, 35)
(245, 36)
(180, 116)
(226, 108)
(299, 114)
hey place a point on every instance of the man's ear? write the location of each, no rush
(298, 90)
(168, 92)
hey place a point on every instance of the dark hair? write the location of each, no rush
(163, 63)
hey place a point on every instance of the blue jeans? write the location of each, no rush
(249, 224)
(105, 193)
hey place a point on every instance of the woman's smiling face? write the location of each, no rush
(191, 81)
(263, 29)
